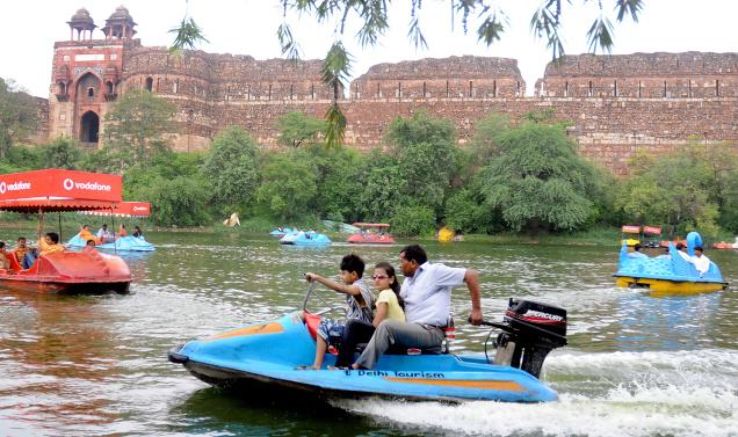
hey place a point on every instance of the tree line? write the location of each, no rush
(513, 175)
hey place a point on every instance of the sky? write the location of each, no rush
(29, 28)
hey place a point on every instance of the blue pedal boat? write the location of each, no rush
(262, 360)
(306, 239)
(668, 274)
(121, 244)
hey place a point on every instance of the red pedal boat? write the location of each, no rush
(64, 190)
(371, 233)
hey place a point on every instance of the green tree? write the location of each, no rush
(674, 189)
(231, 167)
(339, 182)
(297, 129)
(380, 179)
(413, 220)
(288, 185)
(18, 116)
(487, 131)
(537, 181)
(426, 156)
(137, 124)
(180, 201)
(61, 153)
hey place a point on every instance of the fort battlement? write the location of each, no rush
(616, 104)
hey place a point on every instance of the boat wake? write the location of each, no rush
(682, 393)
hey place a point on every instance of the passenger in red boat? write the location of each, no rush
(47, 245)
(87, 235)
(20, 250)
(89, 247)
(359, 301)
(4, 262)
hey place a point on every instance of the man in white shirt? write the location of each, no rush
(426, 291)
(700, 261)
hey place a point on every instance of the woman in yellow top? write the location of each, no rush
(389, 305)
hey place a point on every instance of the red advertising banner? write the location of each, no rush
(652, 230)
(124, 209)
(58, 184)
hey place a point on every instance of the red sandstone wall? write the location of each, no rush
(616, 104)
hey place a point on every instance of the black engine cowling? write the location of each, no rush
(530, 331)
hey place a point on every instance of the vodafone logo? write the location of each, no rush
(15, 186)
(70, 184)
(138, 208)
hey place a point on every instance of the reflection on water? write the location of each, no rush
(635, 365)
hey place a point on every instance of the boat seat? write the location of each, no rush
(14, 266)
(399, 350)
(311, 323)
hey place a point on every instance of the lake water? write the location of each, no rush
(636, 365)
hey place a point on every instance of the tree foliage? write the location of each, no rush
(18, 116)
(288, 185)
(63, 152)
(231, 167)
(137, 124)
(537, 181)
(297, 129)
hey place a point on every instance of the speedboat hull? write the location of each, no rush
(70, 272)
(262, 358)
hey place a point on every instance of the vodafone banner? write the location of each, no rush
(124, 209)
(61, 184)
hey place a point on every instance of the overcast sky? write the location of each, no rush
(29, 28)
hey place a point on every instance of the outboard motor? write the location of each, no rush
(530, 331)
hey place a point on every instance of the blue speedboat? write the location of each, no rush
(121, 244)
(306, 239)
(262, 360)
(668, 273)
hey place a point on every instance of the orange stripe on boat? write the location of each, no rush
(269, 328)
(461, 383)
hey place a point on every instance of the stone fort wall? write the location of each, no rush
(617, 104)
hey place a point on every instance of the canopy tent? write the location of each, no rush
(124, 209)
(652, 230)
(631, 229)
(59, 190)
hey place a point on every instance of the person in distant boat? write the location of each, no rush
(701, 261)
(104, 234)
(89, 247)
(4, 261)
(122, 232)
(388, 307)
(359, 302)
(637, 252)
(137, 232)
(682, 251)
(87, 235)
(427, 294)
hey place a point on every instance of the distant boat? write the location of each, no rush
(446, 235)
(371, 233)
(343, 228)
(306, 239)
(281, 231)
(668, 273)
